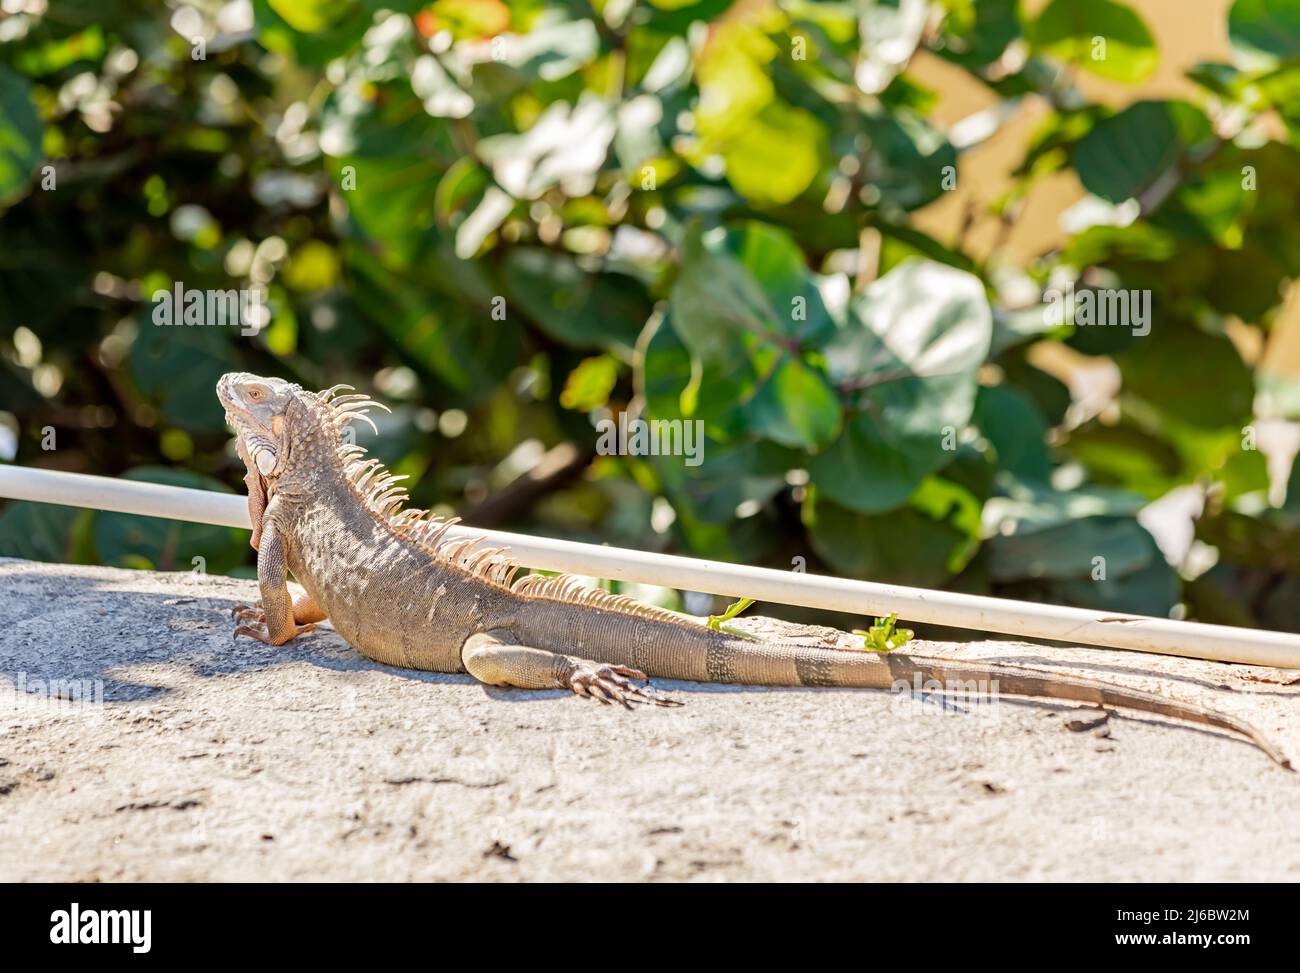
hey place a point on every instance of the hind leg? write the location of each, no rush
(493, 658)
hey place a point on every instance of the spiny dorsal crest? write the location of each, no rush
(381, 495)
(342, 409)
(571, 590)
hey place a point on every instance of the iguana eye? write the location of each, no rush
(256, 394)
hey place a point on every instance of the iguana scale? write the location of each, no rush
(401, 591)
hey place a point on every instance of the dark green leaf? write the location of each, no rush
(20, 136)
(1126, 153)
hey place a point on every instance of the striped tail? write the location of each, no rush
(661, 644)
(728, 659)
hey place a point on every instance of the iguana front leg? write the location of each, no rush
(278, 625)
(492, 658)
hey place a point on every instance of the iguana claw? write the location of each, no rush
(255, 611)
(260, 633)
(611, 683)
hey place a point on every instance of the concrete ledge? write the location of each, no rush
(220, 760)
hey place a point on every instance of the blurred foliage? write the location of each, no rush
(511, 218)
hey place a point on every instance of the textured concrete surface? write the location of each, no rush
(215, 760)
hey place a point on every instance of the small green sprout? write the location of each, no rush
(883, 637)
(734, 609)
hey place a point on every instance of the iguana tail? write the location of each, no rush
(679, 649)
(1013, 681)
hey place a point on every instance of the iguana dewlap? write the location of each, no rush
(400, 591)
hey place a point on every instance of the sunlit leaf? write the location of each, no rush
(1105, 38)
(908, 358)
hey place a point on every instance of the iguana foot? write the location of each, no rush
(254, 611)
(611, 683)
(305, 610)
(260, 633)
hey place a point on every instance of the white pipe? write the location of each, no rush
(1027, 619)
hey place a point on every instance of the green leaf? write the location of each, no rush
(1107, 563)
(872, 468)
(1218, 206)
(976, 32)
(178, 366)
(772, 150)
(908, 357)
(394, 200)
(1104, 244)
(1105, 38)
(745, 288)
(1264, 32)
(679, 386)
(907, 158)
(1190, 377)
(308, 16)
(61, 52)
(1126, 153)
(905, 547)
(796, 407)
(775, 157)
(734, 609)
(747, 296)
(582, 309)
(455, 341)
(949, 502)
(383, 121)
(386, 156)
(41, 531)
(471, 18)
(1126, 456)
(20, 136)
(883, 637)
(1070, 550)
(1015, 427)
(565, 146)
(552, 48)
(589, 385)
(313, 32)
(1152, 590)
(731, 478)
(1030, 507)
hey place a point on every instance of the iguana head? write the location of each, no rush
(278, 422)
(258, 409)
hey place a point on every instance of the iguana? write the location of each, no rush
(400, 590)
